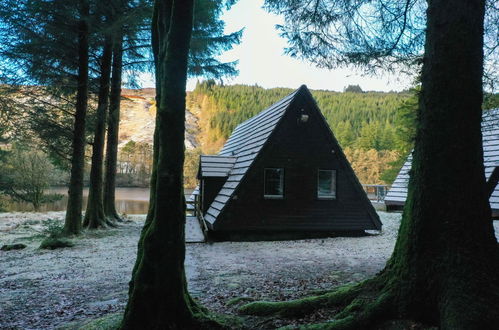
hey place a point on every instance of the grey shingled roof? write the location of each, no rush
(490, 131)
(244, 144)
(216, 166)
(398, 191)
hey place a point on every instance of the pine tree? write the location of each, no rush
(72, 222)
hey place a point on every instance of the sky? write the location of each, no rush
(262, 61)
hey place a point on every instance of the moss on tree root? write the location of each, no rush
(340, 297)
(364, 304)
(52, 243)
(237, 300)
(107, 322)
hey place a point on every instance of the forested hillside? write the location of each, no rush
(368, 125)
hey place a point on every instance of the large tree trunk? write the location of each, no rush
(445, 267)
(446, 256)
(72, 224)
(158, 296)
(113, 131)
(94, 216)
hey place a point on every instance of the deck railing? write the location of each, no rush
(376, 192)
(193, 209)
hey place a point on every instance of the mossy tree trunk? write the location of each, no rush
(444, 270)
(94, 216)
(158, 297)
(446, 258)
(72, 223)
(113, 130)
(152, 183)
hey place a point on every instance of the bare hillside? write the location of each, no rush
(138, 110)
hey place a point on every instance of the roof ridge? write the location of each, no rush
(267, 108)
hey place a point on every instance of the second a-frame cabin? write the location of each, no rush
(397, 195)
(283, 171)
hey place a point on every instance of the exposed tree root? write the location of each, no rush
(116, 218)
(203, 319)
(113, 217)
(298, 307)
(359, 314)
(98, 221)
(364, 304)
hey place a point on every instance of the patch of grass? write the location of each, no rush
(107, 322)
(237, 300)
(51, 243)
(35, 237)
(10, 247)
(53, 228)
(227, 321)
(54, 232)
(31, 222)
(3, 204)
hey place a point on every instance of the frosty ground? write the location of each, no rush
(48, 289)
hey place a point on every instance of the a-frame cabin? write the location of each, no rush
(283, 172)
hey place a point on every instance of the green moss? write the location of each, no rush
(107, 322)
(294, 308)
(317, 292)
(35, 237)
(355, 306)
(237, 300)
(31, 222)
(347, 323)
(10, 247)
(214, 321)
(52, 228)
(55, 243)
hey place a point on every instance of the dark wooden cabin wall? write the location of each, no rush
(301, 149)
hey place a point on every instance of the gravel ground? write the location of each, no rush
(42, 289)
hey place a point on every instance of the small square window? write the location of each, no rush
(273, 183)
(326, 184)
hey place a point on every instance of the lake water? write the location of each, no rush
(128, 201)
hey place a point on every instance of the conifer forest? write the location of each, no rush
(249, 164)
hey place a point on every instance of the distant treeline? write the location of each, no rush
(360, 120)
(376, 129)
(364, 120)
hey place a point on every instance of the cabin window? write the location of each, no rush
(326, 184)
(273, 183)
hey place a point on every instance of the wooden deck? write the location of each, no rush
(193, 230)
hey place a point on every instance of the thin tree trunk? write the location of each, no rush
(72, 224)
(94, 216)
(152, 185)
(113, 131)
(158, 297)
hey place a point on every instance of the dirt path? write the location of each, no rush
(44, 289)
